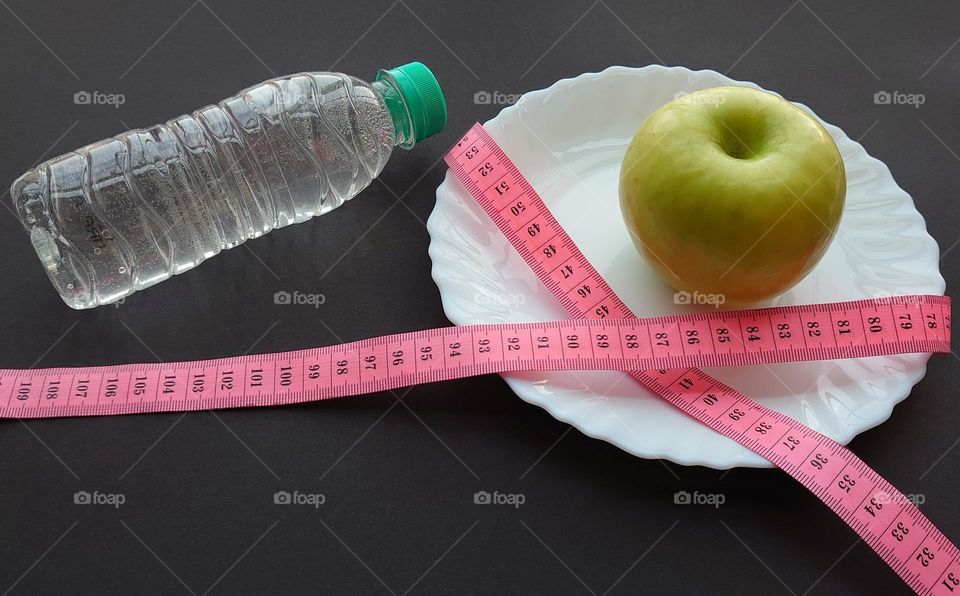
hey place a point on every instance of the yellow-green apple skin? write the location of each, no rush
(732, 191)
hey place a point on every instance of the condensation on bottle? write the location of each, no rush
(130, 211)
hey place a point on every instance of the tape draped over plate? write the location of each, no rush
(568, 140)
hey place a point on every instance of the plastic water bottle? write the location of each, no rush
(123, 214)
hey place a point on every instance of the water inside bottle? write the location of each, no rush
(130, 211)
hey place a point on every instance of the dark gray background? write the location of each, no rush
(399, 477)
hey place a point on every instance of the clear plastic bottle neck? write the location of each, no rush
(399, 112)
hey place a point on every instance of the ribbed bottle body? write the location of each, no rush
(125, 213)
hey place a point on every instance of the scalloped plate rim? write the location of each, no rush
(521, 386)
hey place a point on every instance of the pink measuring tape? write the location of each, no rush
(660, 351)
(903, 537)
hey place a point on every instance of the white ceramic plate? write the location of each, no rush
(569, 140)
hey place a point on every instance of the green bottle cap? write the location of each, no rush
(421, 92)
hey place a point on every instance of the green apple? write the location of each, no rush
(732, 192)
